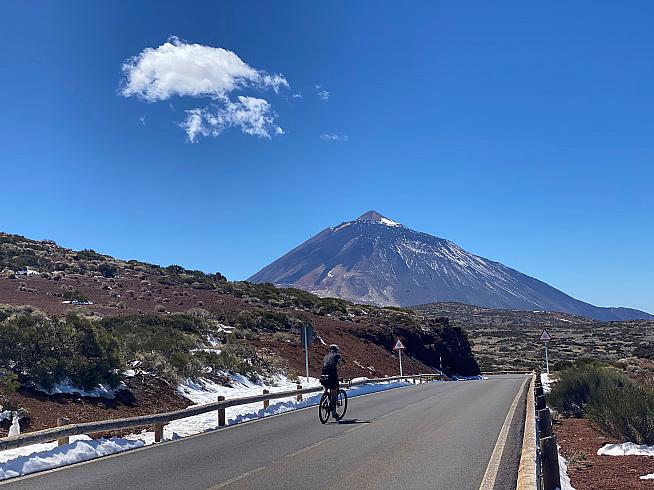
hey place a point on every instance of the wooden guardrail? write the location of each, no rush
(159, 420)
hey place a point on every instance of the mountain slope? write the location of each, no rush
(375, 260)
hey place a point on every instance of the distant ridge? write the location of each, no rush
(377, 260)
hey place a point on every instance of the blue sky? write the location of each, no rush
(521, 131)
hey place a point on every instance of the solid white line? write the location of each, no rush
(490, 475)
(240, 477)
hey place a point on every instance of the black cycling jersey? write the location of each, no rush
(331, 361)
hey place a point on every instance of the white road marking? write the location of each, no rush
(488, 481)
(240, 477)
(308, 448)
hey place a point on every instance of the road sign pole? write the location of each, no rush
(399, 347)
(546, 337)
(547, 361)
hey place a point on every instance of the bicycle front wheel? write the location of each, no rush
(341, 405)
(323, 408)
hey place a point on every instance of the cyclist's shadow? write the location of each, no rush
(353, 421)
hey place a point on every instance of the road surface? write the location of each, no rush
(436, 435)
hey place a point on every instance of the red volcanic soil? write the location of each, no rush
(144, 395)
(587, 471)
(146, 296)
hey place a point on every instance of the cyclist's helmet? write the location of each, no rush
(334, 348)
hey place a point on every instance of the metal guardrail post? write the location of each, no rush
(221, 413)
(550, 452)
(545, 422)
(62, 441)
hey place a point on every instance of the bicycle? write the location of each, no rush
(324, 411)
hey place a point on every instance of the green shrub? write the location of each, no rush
(235, 358)
(626, 413)
(577, 385)
(45, 351)
(8, 382)
(613, 403)
(646, 351)
(75, 295)
(107, 270)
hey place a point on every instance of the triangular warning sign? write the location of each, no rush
(399, 345)
(545, 336)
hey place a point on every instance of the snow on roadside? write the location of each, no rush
(563, 474)
(628, 449)
(546, 381)
(625, 449)
(38, 457)
(47, 456)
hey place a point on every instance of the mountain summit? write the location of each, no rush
(376, 260)
(375, 216)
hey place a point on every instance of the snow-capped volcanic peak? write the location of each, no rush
(378, 218)
(374, 259)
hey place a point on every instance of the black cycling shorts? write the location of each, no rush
(329, 381)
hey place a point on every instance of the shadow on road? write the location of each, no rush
(353, 421)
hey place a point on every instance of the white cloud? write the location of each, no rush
(142, 119)
(297, 95)
(323, 94)
(179, 68)
(252, 115)
(334, 137)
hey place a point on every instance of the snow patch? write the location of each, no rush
(563, 474)
(388, 222)
(626, 449)
(546, 381)
(47, 456)
(647, 477)
(66, 388)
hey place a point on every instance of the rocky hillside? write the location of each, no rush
(375, 260)
(508, 339)
(136, 302)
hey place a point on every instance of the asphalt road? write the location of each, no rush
(430, 436)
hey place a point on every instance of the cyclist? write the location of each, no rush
(329, 378)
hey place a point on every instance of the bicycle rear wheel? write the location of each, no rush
(341, 405)
(323, 408)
